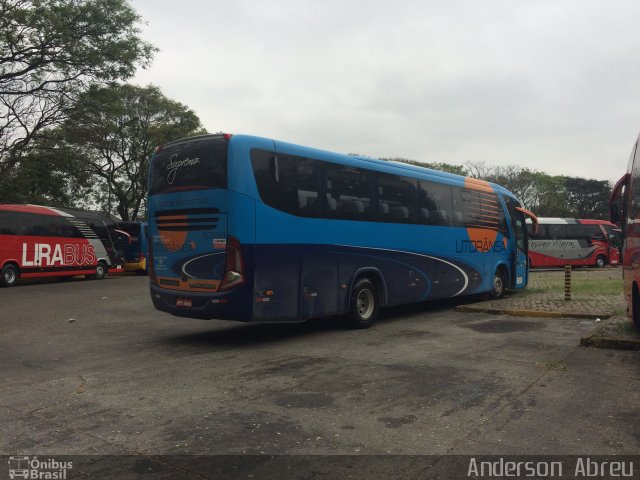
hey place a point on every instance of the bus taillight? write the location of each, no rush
(234, 272)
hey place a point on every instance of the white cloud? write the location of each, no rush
(548, 85)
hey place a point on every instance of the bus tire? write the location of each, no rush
(101, 271)
(499, 284)
(635, 306)
(601, 261)
(365, 303)
(10, 275)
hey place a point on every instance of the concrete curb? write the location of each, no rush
(615, 343)
(532, 313)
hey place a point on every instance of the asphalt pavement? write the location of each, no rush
(90, 368)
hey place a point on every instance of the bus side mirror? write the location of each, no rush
(615, 214)
(124, 236)
(616, 200)
(532, 216)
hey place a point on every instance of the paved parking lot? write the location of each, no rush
(89, 367)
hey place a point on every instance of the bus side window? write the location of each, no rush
(308, 186)
(503, 227)
(434, 203)
(557, 232)
(8, 223)
(350, 189)
(286, 182)
(396, 198)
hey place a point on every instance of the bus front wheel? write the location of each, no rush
(10, 275)
(365, 303)
(499, 284)
(601, 261)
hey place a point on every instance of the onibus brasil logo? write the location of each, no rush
(34, 468)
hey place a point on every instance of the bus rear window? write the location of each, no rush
(190, 165)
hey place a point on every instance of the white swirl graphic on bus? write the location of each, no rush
(174, 165)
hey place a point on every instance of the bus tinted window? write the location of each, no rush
(288, 183)
(396, 198)
(434, 203)
(503, 227)
(8, 223)
(348, 192)
(190, 165)
(31, 224)
(308, 187)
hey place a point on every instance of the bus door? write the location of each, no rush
(614, 236)
(519, 257)
(520, 265)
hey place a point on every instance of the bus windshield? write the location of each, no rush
(193, 164)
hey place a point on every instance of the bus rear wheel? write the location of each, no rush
(9, 276)
(101, 272)
(601, 261)
(365, 303)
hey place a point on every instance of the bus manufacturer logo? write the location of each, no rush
(210, 286)
(219, 243)
(174, 165)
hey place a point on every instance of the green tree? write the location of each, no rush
(112, 132)
(45, 175)
(443, 167)
(50, 51)
(588, 198)
(521, 181)
(551, 199)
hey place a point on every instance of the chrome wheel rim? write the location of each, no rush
(365, 303)
(497, 285)
(9, 276)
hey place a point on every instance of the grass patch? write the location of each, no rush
(588, 287)
(552, 366)
(585, 283)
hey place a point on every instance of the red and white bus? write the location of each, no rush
(576, 242)
(37, 241)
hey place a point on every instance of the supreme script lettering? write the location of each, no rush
(174, 165)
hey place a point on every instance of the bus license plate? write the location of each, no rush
(183, 302)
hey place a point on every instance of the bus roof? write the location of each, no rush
(54, 211)
(391, 166)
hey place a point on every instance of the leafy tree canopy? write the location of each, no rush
(111, 134)
(50, 51)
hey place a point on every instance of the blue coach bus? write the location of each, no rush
(134, 248)
(252, 229)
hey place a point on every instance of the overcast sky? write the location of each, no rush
(550, 85)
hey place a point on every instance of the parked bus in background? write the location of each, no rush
(37, 241)
(253, 229)
(134, 249)
(577, 242)
(624, 207)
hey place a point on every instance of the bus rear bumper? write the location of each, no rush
(231, 305)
